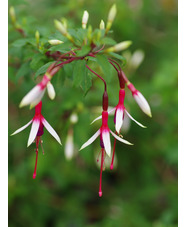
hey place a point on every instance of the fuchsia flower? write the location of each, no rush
(104, 133)
(120, 110)
(38, 122)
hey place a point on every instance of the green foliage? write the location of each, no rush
(142, 190)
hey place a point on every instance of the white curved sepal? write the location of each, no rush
(33, 132)
(134, 120)
(91, 140)
(22, 128)
(120, 139)
(143, 104)
(51, 130)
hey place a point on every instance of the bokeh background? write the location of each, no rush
(141, 191)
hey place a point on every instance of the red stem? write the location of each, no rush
(101, 170)
(112, 162)
(98, 76)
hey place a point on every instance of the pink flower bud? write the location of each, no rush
(140, 99)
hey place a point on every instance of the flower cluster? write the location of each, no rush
(92, 45)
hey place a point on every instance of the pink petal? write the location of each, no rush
(106, 142)
(134, 120)
(91, 140)
(119, 119)
(33, 132)
(51, 130)
(120, 139)
(22, 128)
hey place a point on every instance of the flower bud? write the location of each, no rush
(85, 19)
(111, 16)
(12, 14)
(50, 90)
(119, 47)
(55, 41)
(102, 25)
(59, 26)
(37, 36)
(140, 99)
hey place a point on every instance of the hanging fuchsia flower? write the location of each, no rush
(120, 110)
(140, 99)
(38, 123)
(104, 133)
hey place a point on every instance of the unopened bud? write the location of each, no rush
(119, 47)
(37, 36)
(140, 99)
(102, 25)
(59, 26)
(64, 22)
(111, 16)
(50, 90)
(55, 41)
(12, 14)
(85, 19)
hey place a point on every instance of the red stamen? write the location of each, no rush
(100, 181)
(112, 162)
(37, 143)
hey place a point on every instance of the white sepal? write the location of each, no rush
(33, 132)
(119, 119)
(134, 119)
(22, 128)
(91, 140)
(50, 90)
(106, 142)
(51, 130)
(120, 139)
(32, 95)
(143, 104)
(37, 99)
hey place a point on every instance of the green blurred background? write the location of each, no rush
(142, 189)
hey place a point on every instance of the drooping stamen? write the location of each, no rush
(37, 144)
(100, 181)
(41, 141)
(112, 162)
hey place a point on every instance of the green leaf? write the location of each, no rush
(78, 72)
(43, 69)
(63, 48)
(84, 51)
(20, 42)
(108, 41)
(119, 57)
(37, 61)
(68, 69)
(23, 70)
(107, 68)
(86, 82)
